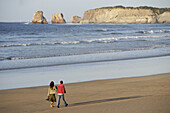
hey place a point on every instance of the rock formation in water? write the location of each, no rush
(127, 15)
(57, 19)
(76, 19)
(38, 18)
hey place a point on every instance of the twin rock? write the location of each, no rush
(38, 18)
(58, 18)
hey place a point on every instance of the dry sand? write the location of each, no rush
(150, 94)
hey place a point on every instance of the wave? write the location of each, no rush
(96, 40)
(151, 47)
(102, 30)
(96, 52)
(33, 57)
(154, 31)
(101, 40)
(27, 23)
(2, 59)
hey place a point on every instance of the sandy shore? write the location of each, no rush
(150, 94)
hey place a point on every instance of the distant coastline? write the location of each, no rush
(112, 15)
(127, 15)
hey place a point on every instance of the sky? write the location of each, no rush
(23, 10)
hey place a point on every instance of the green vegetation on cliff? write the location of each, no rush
(154, 9)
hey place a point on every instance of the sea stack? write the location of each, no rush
(57, 19)
(38, 18)
(76, 19)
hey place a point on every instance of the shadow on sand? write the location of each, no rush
(104, 100)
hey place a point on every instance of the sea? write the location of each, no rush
(74, 43)
(26, 45)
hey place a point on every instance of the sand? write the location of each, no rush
(149, 94)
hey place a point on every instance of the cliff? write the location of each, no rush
(164, 18)
(58, 19)
(127, 15)
(38, 18)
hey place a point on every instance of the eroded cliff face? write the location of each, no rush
(164, 18)
(124, 16)
(58, 19)
(38, 18)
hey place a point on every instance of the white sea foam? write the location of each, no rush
(69, 42)
(95, 40)
(1, 58)
(104, 30)
(154, 31)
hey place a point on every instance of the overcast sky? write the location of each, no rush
(23, 10)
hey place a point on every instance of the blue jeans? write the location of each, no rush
(59, 97)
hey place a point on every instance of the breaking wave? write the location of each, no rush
(96, 52)
(33, 57)
(2, 59)
(97, 40)
(102, 30)
(154, 31)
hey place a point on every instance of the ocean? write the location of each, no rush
(34, 54)
(23, 44)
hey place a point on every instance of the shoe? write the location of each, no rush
(51, 105)
(66, 105)
(57, 106)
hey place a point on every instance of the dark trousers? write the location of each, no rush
(59, 97)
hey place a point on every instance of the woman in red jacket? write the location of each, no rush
(61, 90)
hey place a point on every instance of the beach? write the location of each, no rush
(149, 94)
(120, 86)
(105, 68)
(82, 72)
(112, 59)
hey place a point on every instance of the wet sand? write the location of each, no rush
(149, 94)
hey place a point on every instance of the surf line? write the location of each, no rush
(83, 62)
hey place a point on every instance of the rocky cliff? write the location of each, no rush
(164, 18)
(76, 19)
(58, 19)
(127, 15)
(38, 18)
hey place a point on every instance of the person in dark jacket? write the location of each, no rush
(61, 91)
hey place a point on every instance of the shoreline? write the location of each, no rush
(137, 94)
(83, 62)
(85, 82)
(83, 72)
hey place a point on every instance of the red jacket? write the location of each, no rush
(61, 89)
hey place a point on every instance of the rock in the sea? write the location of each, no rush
(164, 18)
(39, 18)
(57, 19)
(125, 15)
(76, 19)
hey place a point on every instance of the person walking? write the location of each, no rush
(51, 93)
(61, 91)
